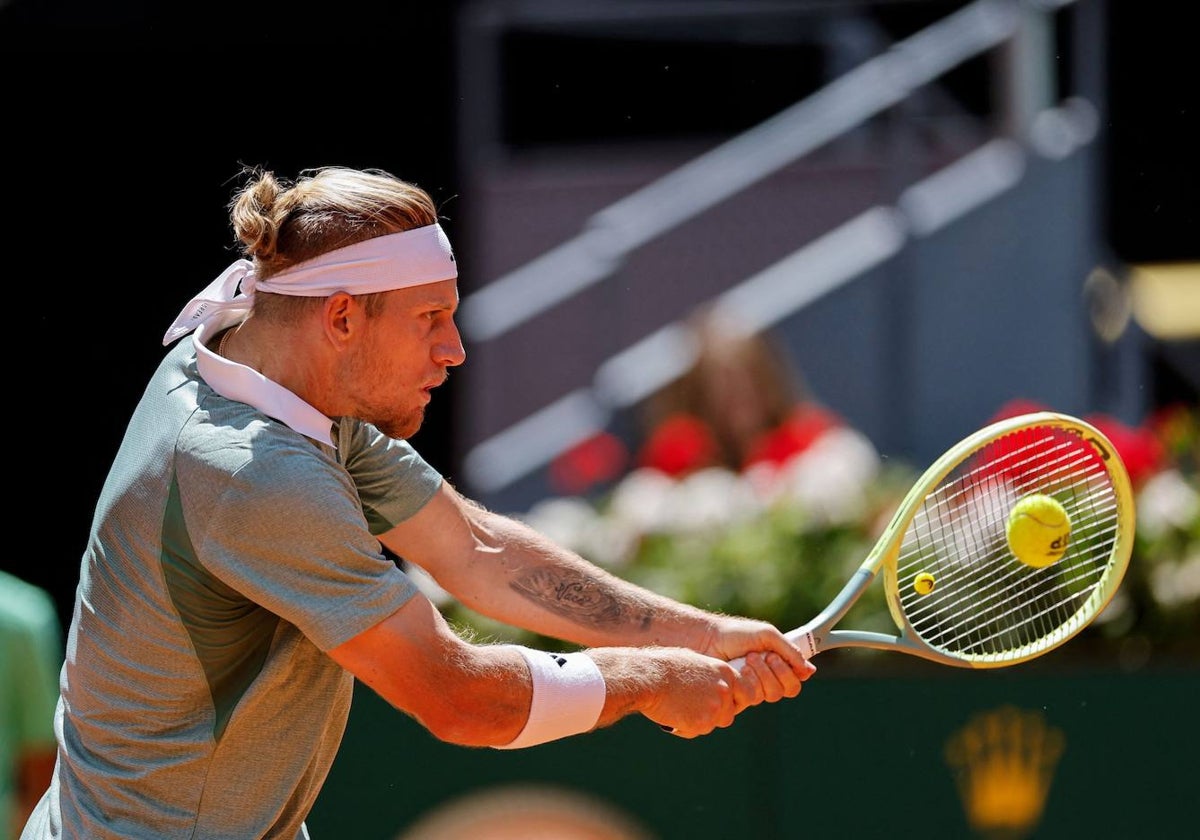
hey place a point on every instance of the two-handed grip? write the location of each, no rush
(801, 637)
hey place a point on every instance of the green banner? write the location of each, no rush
(930, 751)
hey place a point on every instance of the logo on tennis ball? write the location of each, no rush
(1039, 530)
(923, 583)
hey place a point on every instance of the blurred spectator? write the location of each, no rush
(31, 655)
(526, 812)
(740, 404)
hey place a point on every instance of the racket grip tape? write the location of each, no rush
(801, 638)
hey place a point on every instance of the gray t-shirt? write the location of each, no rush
(228, 552)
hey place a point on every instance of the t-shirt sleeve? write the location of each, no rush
(392, 479)
(285, 529)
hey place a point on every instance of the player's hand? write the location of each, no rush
(767, 678)
(695, 693)
(732, 637)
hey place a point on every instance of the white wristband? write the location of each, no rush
(568, 696)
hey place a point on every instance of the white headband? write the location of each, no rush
(382, 264)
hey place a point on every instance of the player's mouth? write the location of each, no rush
(427, 390)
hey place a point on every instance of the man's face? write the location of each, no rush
(407, 351)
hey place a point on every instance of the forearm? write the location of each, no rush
(511, 696)
(522, 578)
(504, 569)
(508, 696)
(632, 680)
(577, 692)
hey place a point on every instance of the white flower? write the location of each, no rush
(641, 499)
(1174, 584)
(708, 500)
(830, 480)
(1166, 501)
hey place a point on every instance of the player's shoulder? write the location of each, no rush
(366, 451)
(240, 438)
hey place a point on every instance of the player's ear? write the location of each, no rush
(340, 316)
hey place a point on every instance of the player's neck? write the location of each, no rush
(293, 358)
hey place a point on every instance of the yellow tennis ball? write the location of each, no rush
(923, 583)
(1039, 530)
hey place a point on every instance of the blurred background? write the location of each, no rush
(893, 220)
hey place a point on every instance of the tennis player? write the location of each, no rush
(235, 581)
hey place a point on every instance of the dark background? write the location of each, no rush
(125, 124)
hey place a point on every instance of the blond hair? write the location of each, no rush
(281, 223)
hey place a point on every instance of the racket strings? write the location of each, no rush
(1005, 573)
(1004, 598)
(985, 602)
(996, 603)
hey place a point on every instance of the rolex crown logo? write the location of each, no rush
(1003, 763)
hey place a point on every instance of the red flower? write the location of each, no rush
(597, 459)
(680, 444)
(791, 437)
(1139, 448)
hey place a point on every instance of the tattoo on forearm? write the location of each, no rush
(579, 598)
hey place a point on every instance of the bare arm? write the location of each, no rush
(480, 695)
(504, 569)
(658, 657)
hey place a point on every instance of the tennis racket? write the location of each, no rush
(987, 609)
